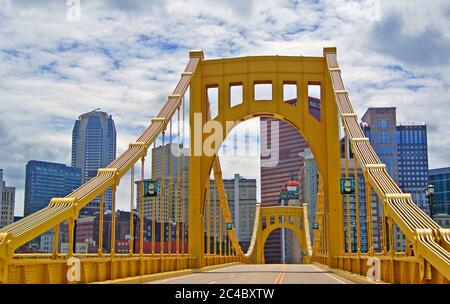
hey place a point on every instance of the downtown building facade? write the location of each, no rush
(274, 174)
(403, 148)
(175, 186)
(7, 202)
(46, 180)
(241, 194)
(309, 189)
(291, 252)
(93, 147)
(440, 179)
(309, 194)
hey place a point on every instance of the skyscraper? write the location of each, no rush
(413, 161)
(93, 147)
(7, 201)
(274, 176)
(440, 178)
(171, 159)
(310, 187)
(403, 148)
(45, 181)
(241, 195)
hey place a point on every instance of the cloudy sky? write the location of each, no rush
(126, 57)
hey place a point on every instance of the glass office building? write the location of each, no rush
(402, 147)
(94, 147)
(440, 178)
(413, 161)
(45, 181)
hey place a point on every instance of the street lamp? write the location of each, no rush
(430, 193)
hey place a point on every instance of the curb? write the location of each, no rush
(148, 277)
(214, 267)
(165, 275)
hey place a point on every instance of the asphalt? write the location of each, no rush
(260, 274)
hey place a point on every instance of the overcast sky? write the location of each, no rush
(126, 57)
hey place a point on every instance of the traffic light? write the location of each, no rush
(347, 185)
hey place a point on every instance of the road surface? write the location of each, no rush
(260, 274)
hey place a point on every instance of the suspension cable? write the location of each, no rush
(183, 183)
(154, 208)
(347, 196)
(207, 211)
(170, 198)
(357, 215)
(177, 193)
(162, 200)
(100, 225)
(141, 208)
(215, 215)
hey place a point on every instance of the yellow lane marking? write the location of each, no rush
(280, 276)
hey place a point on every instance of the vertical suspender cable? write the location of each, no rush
(154, 209)
(100, 224)
(141, 208)
(170, 196)
(357, 215)
(177, 188)
(162, 197)
(131, 243)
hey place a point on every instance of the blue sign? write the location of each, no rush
(347, 185)
(151, 188)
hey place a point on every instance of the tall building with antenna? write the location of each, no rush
(94, 147)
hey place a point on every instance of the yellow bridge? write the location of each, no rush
(210, 238)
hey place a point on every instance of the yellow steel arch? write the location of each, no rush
(430, 241)
(292, 218)
(322, 136)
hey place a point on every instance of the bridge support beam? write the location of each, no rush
(333, 199)
(196, 180)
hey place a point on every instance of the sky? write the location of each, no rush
(125, 57)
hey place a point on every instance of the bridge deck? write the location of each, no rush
(261, 274)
